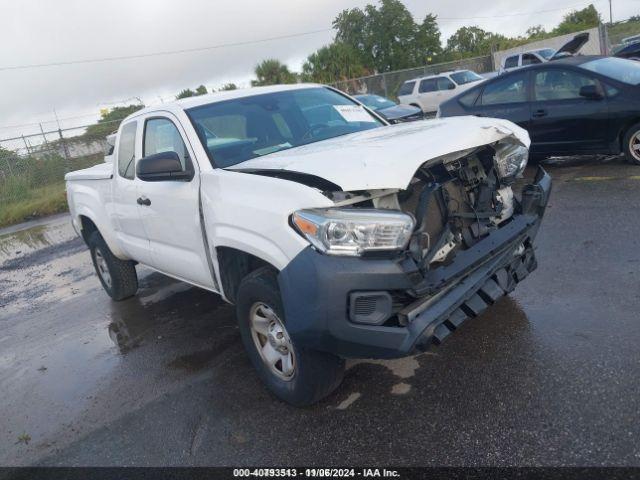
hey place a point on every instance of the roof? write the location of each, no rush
(190, 102)
(448, 72)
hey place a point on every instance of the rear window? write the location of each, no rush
(512, 89)
(530, 59)
(626, 71)
(511, 62)
(126, 150)
(406, 88)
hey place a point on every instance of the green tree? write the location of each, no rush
(428, 45)
(578, 20)
(536, 32)
(467, 40)
(110, 121)
(186, 93)
(272, 72)
(332, 63)
(228, 86)
(201, 90)
(387, 37)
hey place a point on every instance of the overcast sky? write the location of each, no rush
(46, 31)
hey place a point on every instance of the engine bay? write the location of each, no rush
(455, 203)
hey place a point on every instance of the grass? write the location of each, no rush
(37, 202)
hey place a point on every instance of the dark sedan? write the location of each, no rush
(391, 111)
(630, 51)
(577, 105)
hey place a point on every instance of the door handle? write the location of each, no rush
(540, 113)
(144, 201)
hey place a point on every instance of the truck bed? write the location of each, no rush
(102, 171)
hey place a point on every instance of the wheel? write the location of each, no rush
(631, 144)
(118, 277)
(295, 375)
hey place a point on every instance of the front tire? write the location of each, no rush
(118, 277)
(631, 144)
(295, 375)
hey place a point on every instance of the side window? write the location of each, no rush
(557, 84)
(428, 85)
(406, 88)
(511, 62)
(161, 135)
(469, 99)
(530, 59)
(127, 151)
(443, 83)
(512, 89)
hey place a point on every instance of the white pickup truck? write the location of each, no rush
(334, 233)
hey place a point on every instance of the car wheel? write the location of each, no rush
(295, 375)
(118, 277)
(631, 144)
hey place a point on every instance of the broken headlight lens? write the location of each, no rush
(510, 160)
(352, 232)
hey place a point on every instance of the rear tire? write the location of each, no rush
(295, 375)
(118, 277)
(631, 144)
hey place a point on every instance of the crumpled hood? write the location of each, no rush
(387, 157)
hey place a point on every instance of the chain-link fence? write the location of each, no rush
(617, 33)
(32, 169)
(388, 84)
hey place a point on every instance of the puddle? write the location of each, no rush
(21, 242)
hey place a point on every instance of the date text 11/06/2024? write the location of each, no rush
(316, 472)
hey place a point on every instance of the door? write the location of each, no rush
(124, 209)
(505, 97)
(446, 90)
(427, 90)
(171, 209)
(562, 120)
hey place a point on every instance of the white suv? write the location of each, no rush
(429, 92)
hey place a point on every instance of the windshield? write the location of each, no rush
(375, 102)
(466, 76)
(627, 71)
(546, 53)
(236, 130)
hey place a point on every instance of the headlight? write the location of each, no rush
(352, 232)
(510, 160)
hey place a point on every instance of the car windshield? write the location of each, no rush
(626, 71)
(233, 131)
(375, 102)
(546, 53)
(466, 76)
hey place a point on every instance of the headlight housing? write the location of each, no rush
(352, 232)
(510, 160)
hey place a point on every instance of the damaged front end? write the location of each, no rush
(468, 241)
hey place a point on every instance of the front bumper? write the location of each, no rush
(315, 288)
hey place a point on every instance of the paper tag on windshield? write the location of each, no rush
(353, 113)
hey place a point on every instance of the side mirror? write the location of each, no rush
(451, 86)
(162, 167)
(590, 92)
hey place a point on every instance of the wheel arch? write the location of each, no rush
(234, 265)
(623, 131)
(88, 223)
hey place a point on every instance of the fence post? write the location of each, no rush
(44, 137)
(26, 145)
(384, 84)
(65, 150)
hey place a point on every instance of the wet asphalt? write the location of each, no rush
(547, 376)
